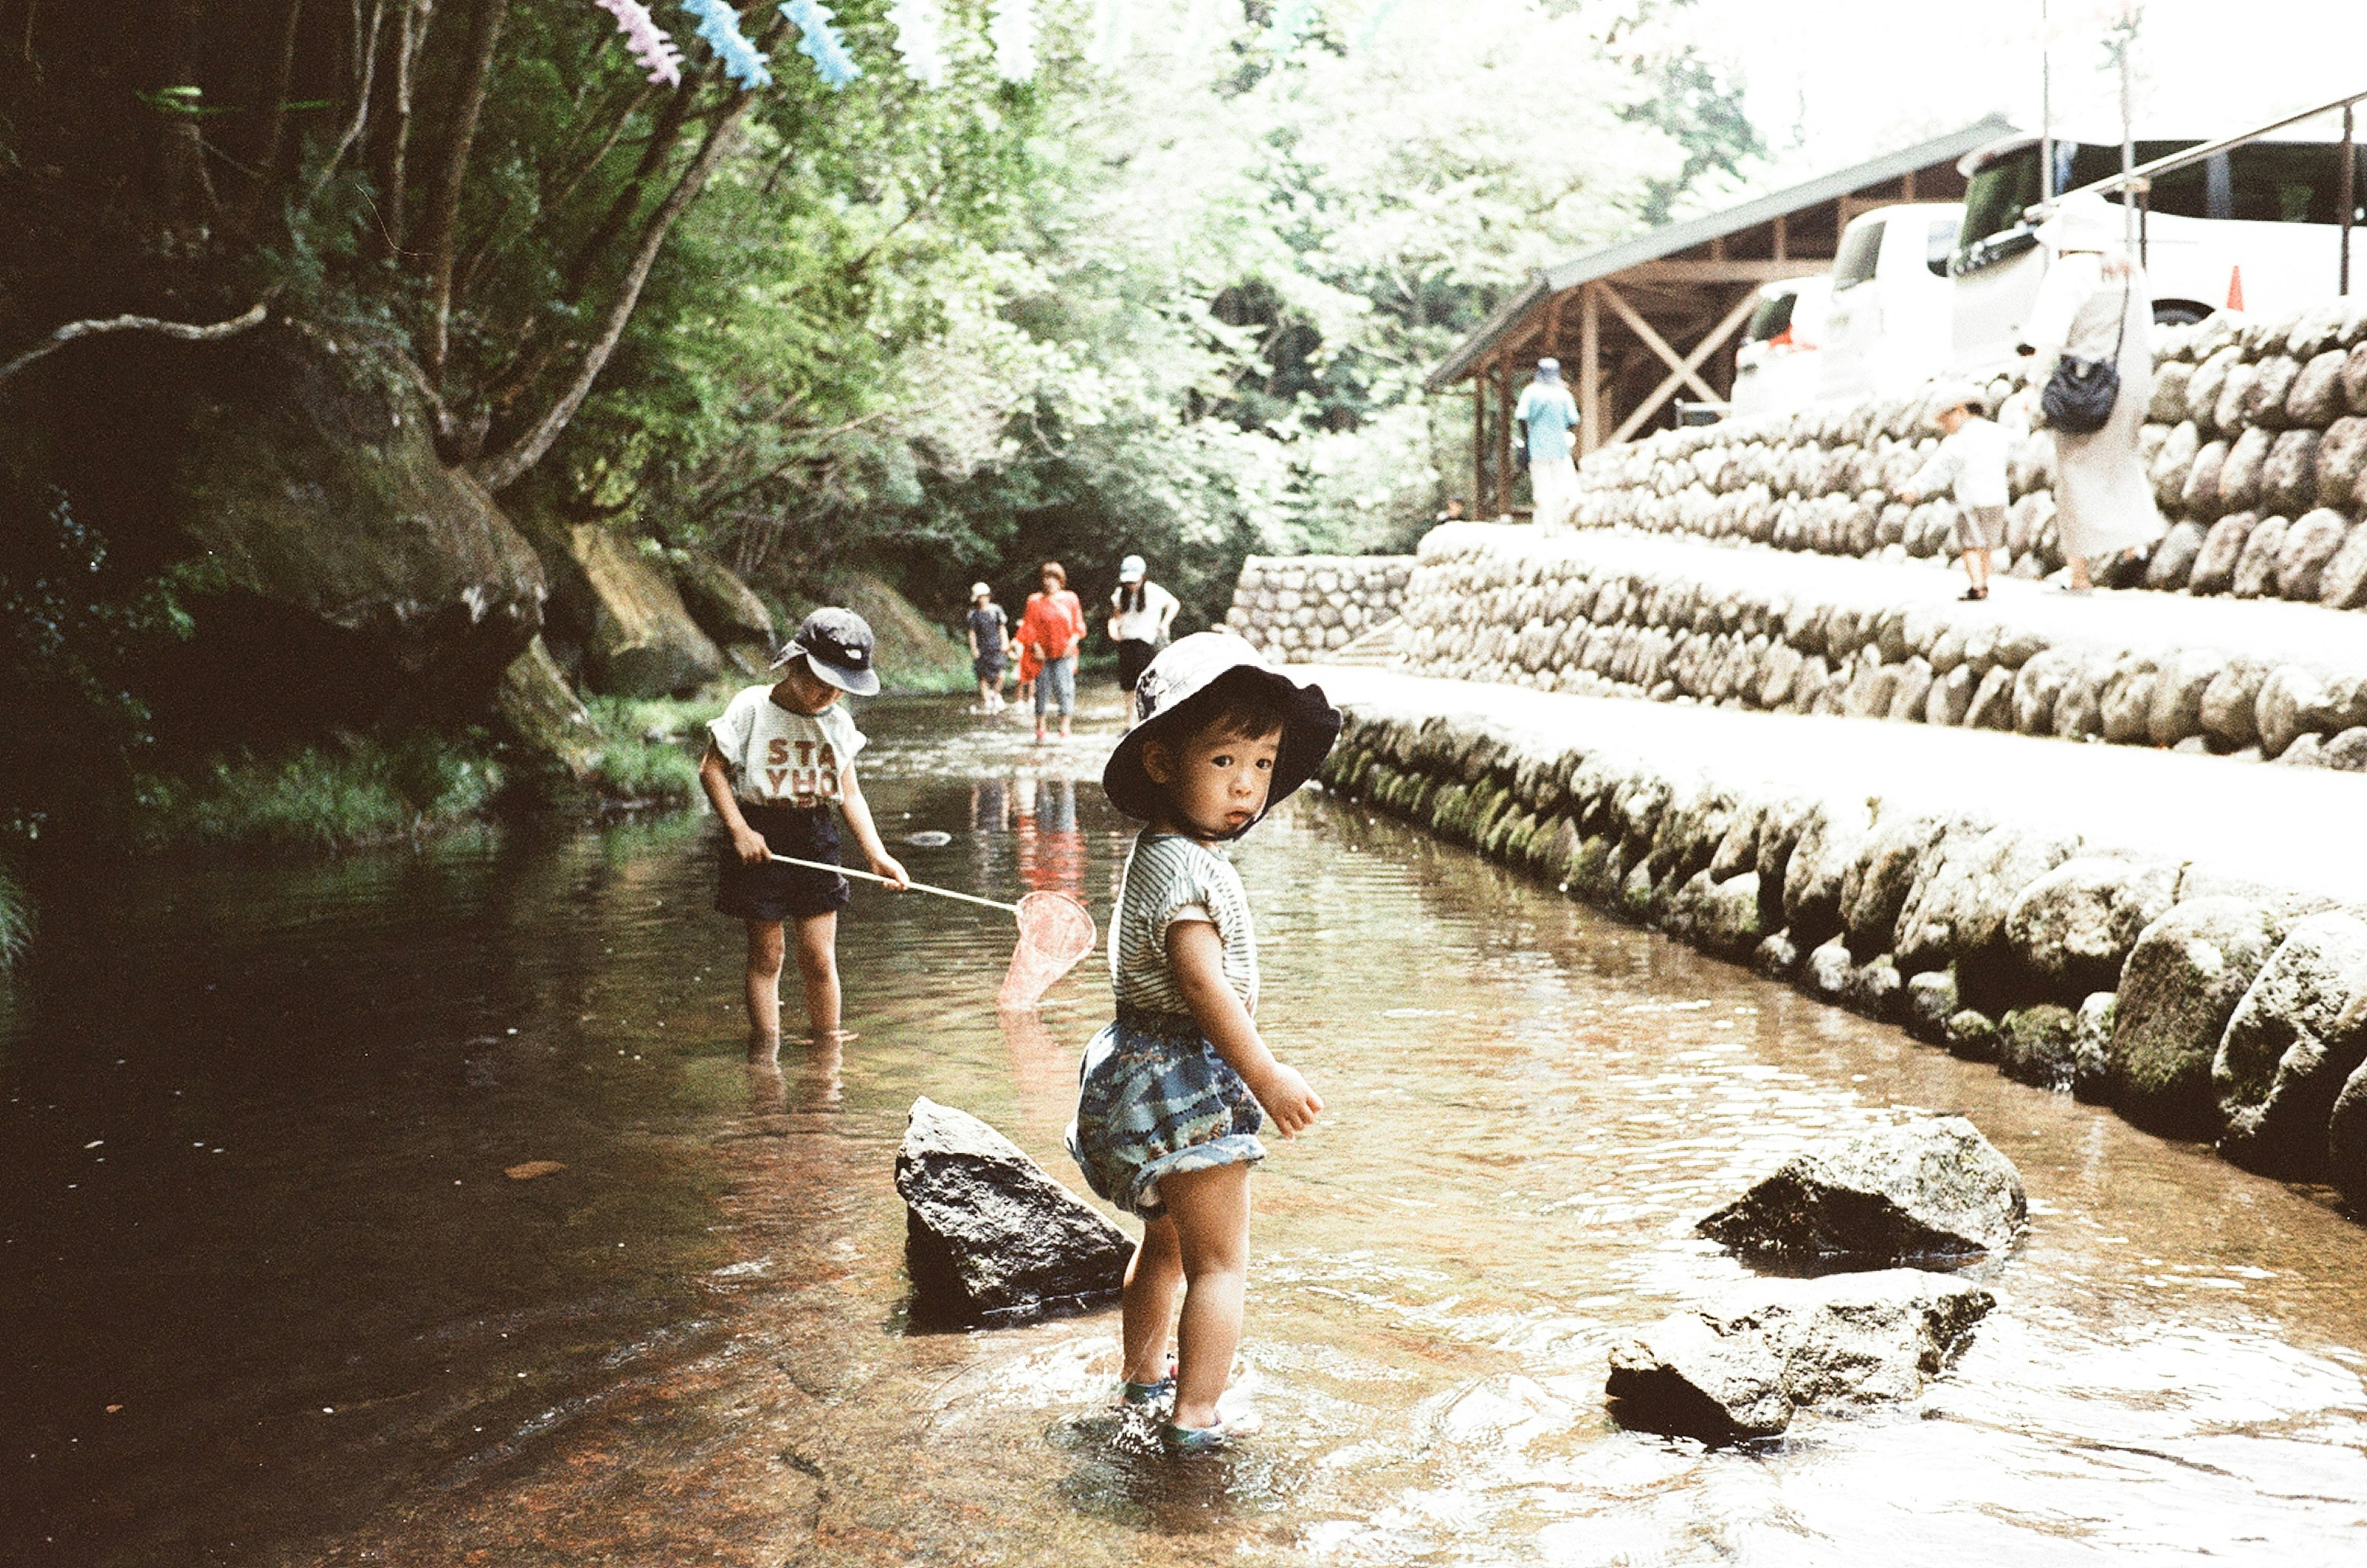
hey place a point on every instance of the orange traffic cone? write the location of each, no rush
(2235, 289)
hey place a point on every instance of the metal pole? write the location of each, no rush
(2128, 147)
(2046, 107)
(2346, 191)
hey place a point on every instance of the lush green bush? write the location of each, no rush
(16, 921)
(649, 747)
(322, 797)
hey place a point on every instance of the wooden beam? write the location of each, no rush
(1656, 343)
(1783, 234)
(1504, 435)
(1479, 440)
(1589, 369)
(1906, 186)
(1724, 271)
(1702, 350)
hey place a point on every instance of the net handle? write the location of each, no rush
(916, 886)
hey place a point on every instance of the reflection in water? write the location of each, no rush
(1529, 1106)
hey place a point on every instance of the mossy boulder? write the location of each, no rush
(542, 713)
(346, 573)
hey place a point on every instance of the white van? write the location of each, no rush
(1775, 367)
(1890, 324)
(2254, 228)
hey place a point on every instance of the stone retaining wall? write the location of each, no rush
(1591, 614)
(2257, 446)
(1295, 606)
(2196, 1005)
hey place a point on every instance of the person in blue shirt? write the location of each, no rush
(1547, 414)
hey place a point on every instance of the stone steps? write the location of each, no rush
(2165, 933)
(1620, 613)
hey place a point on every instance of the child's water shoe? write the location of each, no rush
(1184, 1440)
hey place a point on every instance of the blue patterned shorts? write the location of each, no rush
(1155, 1098)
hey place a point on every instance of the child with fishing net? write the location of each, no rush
(1174, 1093)
(779, 768)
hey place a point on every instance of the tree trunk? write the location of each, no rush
(409, 42)
(444, 193)
(275, 135)
(672, 116)
(504, 467)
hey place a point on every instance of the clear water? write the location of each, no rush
(257, 1117)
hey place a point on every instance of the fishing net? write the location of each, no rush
(1054, 932)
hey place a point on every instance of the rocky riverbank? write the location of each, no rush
(2161, 933)
(1301, 606)
(1617, 612)
(2256, 442)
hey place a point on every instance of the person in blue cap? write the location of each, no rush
(1547, 414)
(780, 760)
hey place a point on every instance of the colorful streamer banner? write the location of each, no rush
(819, 40)
(649, 42)
(1011, 28)
(718, 24)
(920, 39)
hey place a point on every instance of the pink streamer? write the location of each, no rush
(648, 41)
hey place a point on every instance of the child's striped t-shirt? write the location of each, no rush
(1170, 877)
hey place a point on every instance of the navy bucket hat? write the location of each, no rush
(1188, 684)
(837, 648)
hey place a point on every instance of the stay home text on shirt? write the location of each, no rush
(782, 758)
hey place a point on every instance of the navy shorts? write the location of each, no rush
(770, 891)
(987, 669)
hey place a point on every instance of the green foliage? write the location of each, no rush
(649, 747)
(16, 921)
(322, 798)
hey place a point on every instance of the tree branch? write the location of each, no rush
(366, 72)
(506, 467)
(444, 193)
(187, 331)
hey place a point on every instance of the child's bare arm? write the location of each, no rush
(866, 834)
(1196, 955)
(715, 776)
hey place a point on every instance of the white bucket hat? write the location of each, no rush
(1185, 683)
(1132, 569)
(2084, 221)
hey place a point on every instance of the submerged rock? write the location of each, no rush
(1743, 1365)
(1930, 1188)
(988, 1234)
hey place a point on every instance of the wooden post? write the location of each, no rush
(1504, 435)
(1589, 370)
(1478, 441)
(1783, 234)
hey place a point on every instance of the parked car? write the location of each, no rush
(1775, 366)
(1891, 322)
(2254, 228)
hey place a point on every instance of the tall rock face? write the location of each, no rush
(615, 609)
(343, 573)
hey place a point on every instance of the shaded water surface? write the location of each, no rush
(270, 1298)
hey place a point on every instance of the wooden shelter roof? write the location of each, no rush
(1709, 229)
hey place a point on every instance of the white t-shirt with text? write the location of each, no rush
(781, 758)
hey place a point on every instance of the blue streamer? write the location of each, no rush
(718, 24)
(819, 41)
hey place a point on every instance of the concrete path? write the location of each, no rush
(2273, 629)
(2298, 829)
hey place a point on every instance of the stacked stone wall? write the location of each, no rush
(1600, 615)
(1300, 606)
(2196, 1005)
(2256, 444)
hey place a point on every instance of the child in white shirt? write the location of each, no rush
(779, 758)
(1970, 463)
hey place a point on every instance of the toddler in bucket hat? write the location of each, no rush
(1173, 1094)
(837, 647)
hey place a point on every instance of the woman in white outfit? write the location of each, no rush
(2095, 298)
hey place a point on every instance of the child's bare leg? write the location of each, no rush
(1977, 564)
(1152, 1280)
(764, 988)
(1211, 1212)
(818, 966)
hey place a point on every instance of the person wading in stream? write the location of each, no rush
(1053, 628)
(779, 758)
(1168, 1105)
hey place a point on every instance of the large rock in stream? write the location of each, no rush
(989, 1235)
(1930, 1188)
(1743, 1365)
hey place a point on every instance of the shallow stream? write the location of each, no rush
(270, 1297)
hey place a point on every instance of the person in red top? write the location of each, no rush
(1053, 628)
